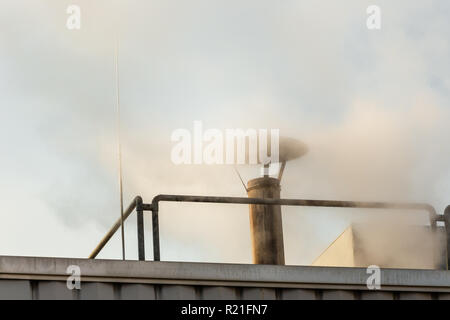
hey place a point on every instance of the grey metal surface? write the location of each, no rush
(220, 293)
(45, 278)
(136, 291)
(15, 289)
(258, 294)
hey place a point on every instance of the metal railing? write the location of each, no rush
(140, 207)
(446, 219)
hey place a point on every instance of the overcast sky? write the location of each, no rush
(373, 106)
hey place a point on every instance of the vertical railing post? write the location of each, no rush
(447, 231)
(140, 228)
(155, 225)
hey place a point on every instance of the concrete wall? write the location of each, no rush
(45, 278)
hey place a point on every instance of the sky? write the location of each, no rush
(373, 106)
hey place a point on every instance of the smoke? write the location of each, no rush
(375, 155)
(371, 107)
(394, 244)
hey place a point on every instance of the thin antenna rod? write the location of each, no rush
(240, 178)
(119, 143)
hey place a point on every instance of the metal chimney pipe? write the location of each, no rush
(265, 222)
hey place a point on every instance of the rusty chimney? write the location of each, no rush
(266, 226)
(265, 222)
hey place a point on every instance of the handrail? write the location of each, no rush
(447, 229)
(154, 207)
(294, 202)
(114, 228)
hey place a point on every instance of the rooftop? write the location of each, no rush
(45, 278)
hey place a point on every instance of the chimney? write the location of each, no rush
(265, 222)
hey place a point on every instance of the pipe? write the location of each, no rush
(295, 202)
(447, 230)
(140, 229)
(155, 232)
(154, 207)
